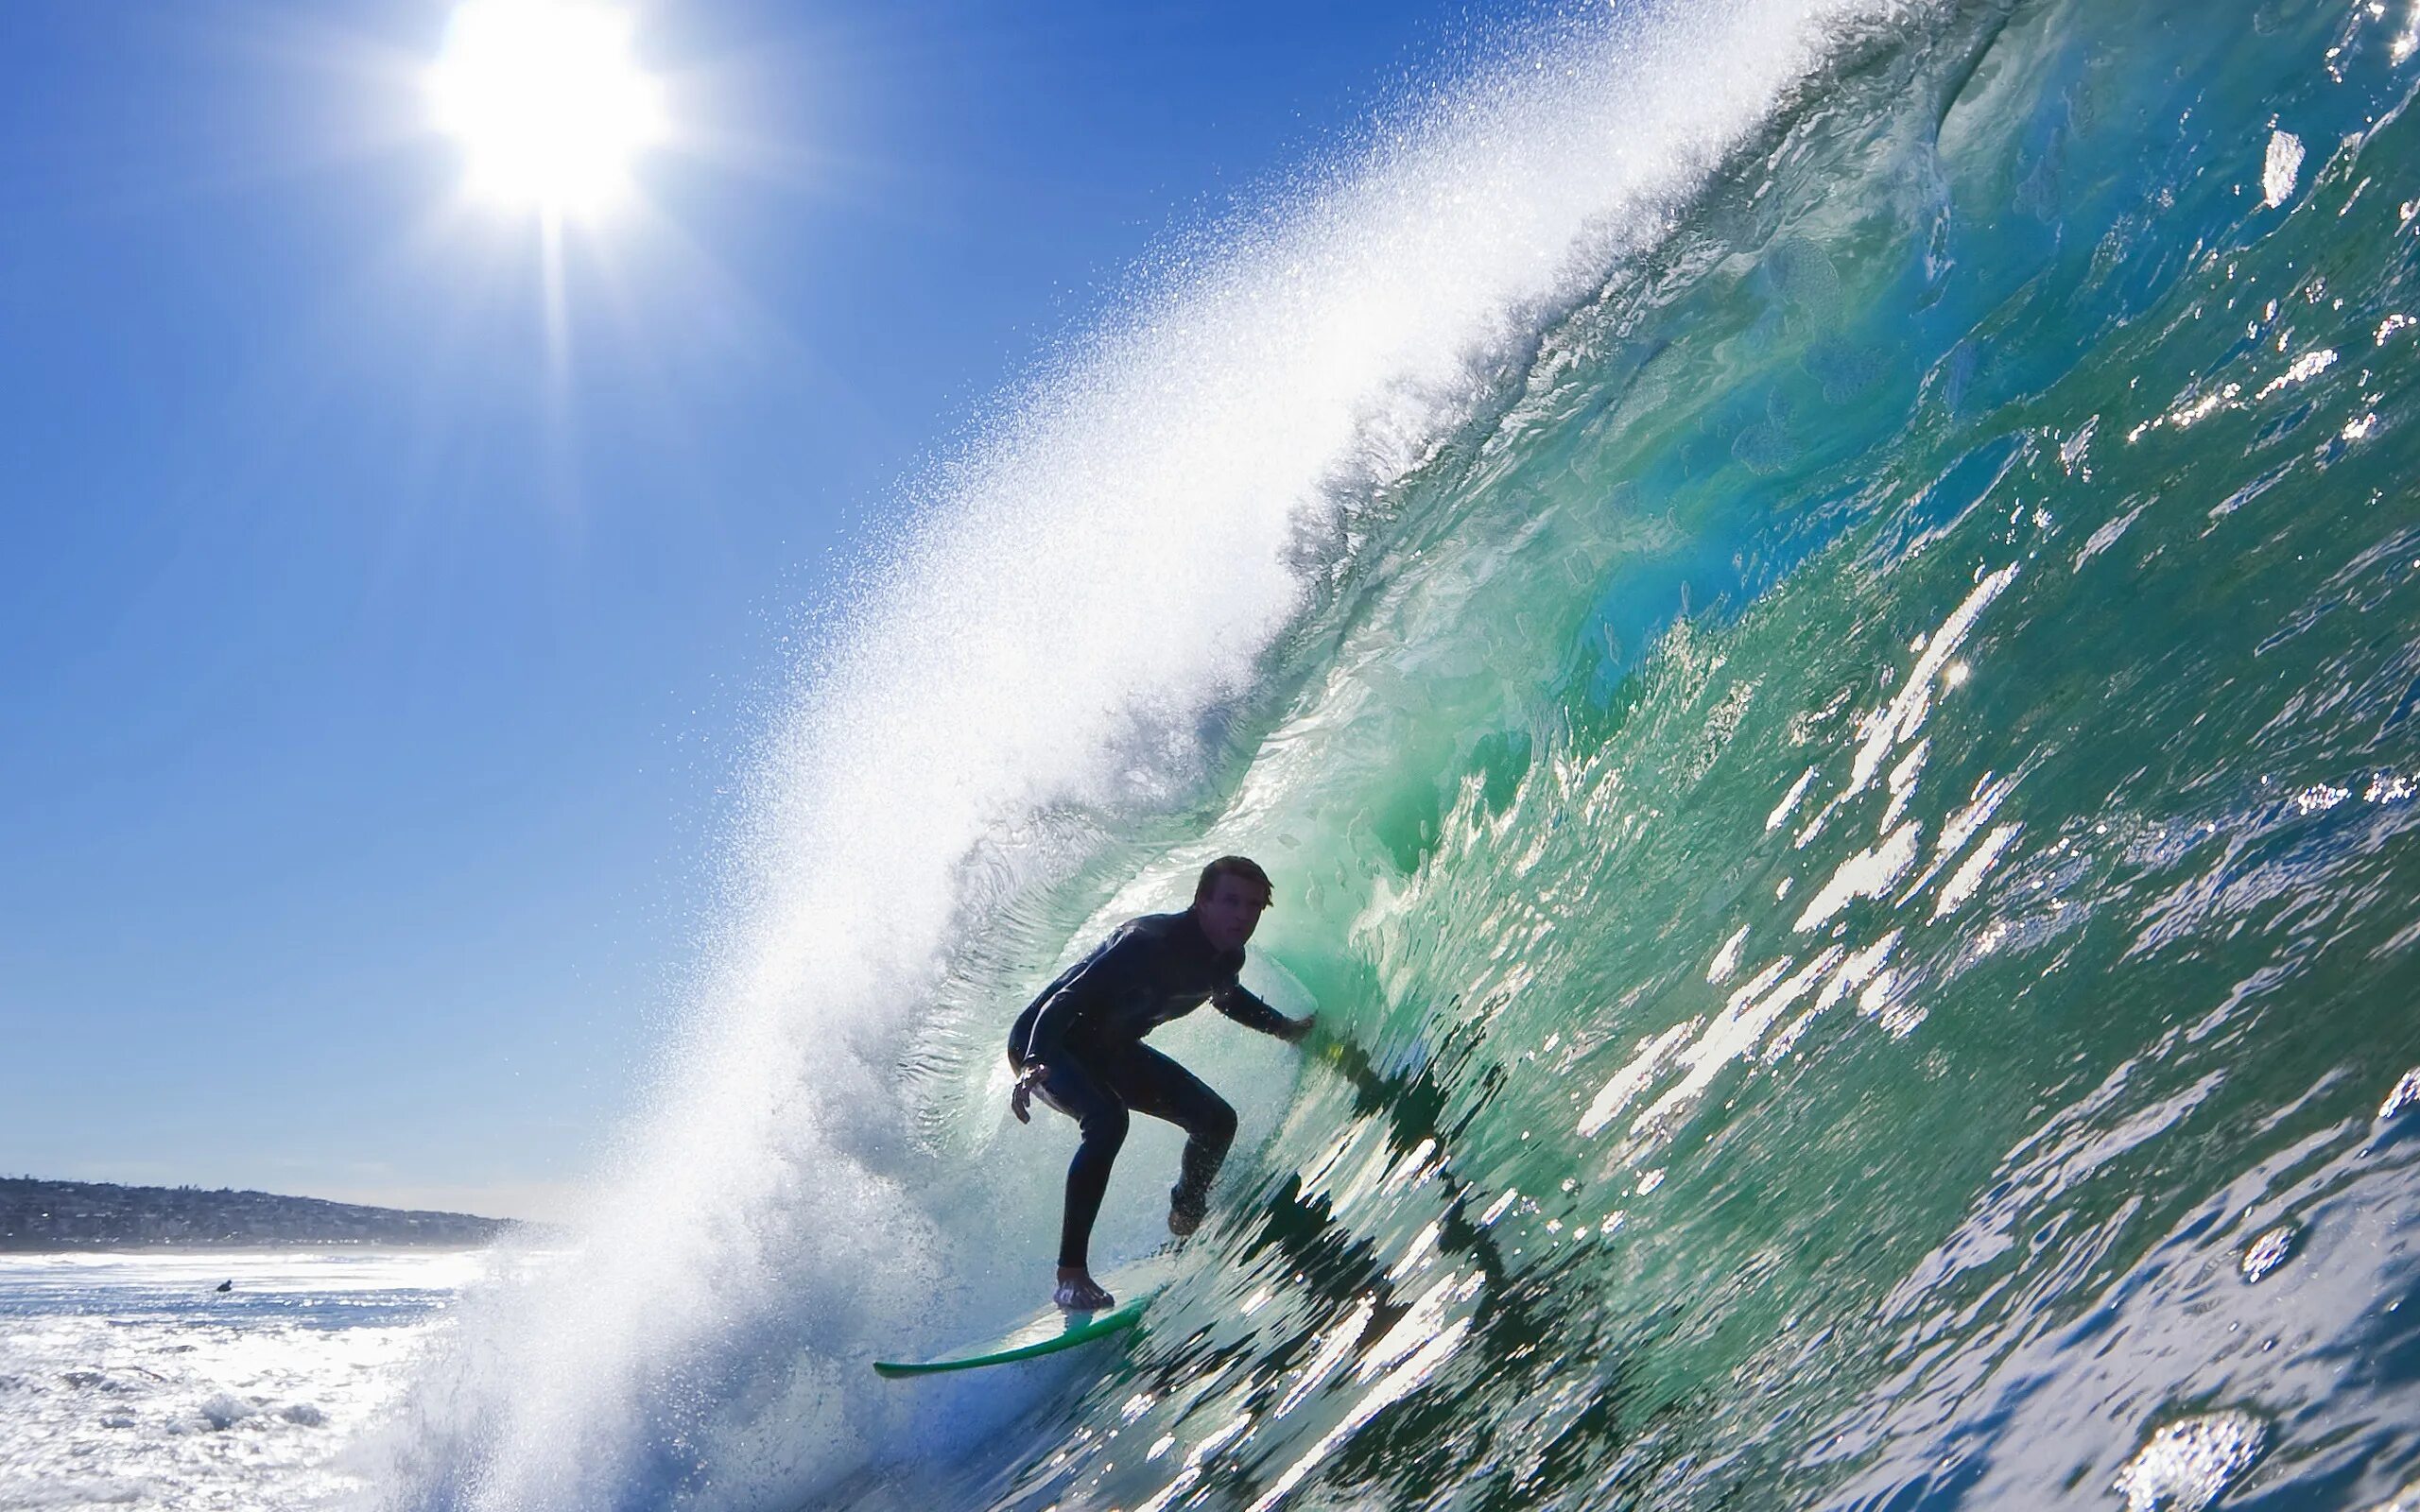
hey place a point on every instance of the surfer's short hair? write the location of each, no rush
(1243, 866)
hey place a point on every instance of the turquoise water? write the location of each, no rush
(1873, 795)
(1837, 756)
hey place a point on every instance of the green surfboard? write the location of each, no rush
(1050, 1331)
(1046, 1335)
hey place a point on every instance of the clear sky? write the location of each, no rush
(385, 604)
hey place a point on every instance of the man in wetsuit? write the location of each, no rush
(1080, 1047)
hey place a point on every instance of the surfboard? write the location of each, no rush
(1050, 1331)
(1043, 1335)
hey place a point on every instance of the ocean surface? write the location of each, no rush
(129, 1381)
(1816, 608)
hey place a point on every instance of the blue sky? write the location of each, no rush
(378, 635)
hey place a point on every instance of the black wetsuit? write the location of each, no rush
(1087, 1029)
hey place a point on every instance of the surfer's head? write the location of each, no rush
(1228, 899)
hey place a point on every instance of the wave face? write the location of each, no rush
(1818, 614)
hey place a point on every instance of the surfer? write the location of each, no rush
(1079, 1047)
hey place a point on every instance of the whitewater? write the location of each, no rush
(1814, 608)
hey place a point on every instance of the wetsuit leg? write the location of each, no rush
(1071, 1087)
(1150, 1083)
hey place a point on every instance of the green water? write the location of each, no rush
(1850, 842)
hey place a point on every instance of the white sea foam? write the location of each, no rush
(2279, 167)
(130, 1381)
(1080, 586)
(2188, 1465)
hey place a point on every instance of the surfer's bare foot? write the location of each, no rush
(1078, 1293)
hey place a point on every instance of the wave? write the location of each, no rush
(1806, 605)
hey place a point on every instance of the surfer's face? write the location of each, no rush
(1230, 912)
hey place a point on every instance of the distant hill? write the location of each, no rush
(99, 1215)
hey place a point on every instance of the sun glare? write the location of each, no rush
(547, 102)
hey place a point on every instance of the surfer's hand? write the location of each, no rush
(1022, 1097)
(1300, 1029)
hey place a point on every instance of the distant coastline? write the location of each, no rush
(48, 1215)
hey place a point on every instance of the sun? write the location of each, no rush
(548, 104)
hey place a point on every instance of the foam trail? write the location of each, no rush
(1082, 585)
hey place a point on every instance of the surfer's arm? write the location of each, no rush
(1248, 1011)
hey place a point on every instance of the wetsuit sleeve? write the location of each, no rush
(1100, 978)
(1240, 1006)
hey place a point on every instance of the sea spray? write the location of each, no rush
(1103, 567)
